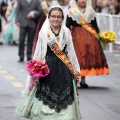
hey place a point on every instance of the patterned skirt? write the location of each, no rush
(56, 89)
(89, 52)
(54, 97)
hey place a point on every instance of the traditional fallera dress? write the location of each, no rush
(54, 97)
(88, 49)
(10, 36)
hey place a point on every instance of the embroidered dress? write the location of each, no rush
(54, 97)
(40, 111)
(88, 49)
(56, 90)
(54, 94)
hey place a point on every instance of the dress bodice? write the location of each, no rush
(49, 51)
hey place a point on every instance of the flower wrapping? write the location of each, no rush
(106, 37)
(36, 69)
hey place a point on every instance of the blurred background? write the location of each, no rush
(108, 17)
(99, 102)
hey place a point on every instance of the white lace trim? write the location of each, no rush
(41, 49)
(88, 16)
(89, 13)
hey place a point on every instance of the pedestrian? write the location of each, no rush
(65, 5)
(45, 4)
(10, 36)
(114, 7)
(27, 13)
(81, 21)
(54, 97)
(3, 8)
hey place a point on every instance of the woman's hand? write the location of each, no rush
(78, 79)
(77, 74)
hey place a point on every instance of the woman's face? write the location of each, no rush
(55, 18)
(81, 3)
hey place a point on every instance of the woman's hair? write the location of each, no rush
(56, 9)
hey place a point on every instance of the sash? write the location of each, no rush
(75, 11)
(60, 54)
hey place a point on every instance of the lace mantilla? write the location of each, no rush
(56, 102)
(88, 16)
(41, 47)
(89, 13)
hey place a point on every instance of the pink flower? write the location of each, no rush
(36, 69)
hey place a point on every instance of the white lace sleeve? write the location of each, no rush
(71, 53)
(39, 53)
(38, 50)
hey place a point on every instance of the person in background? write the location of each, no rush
(3, 8)
(88, 49)
(10, 36)
(105, 6)
(114, 7)
(27, 13)
(119, 7)
(101, 6)
(54, 97)
(65, 6)
(94, 4)
(45, 4)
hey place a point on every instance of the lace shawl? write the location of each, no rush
(41, 48)
(89, 13)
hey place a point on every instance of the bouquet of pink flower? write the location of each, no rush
(36, 69)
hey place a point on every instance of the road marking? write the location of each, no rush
(3, 72)
(17, 84)
(10, 77)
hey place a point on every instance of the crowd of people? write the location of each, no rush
(107, 6)
(71, 25)
(8, 11)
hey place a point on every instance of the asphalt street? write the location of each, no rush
(101, 101)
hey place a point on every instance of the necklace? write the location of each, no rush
(56, 34)
(57, 38)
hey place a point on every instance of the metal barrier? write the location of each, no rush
(109, 22)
